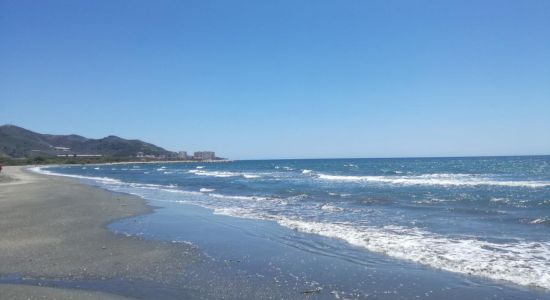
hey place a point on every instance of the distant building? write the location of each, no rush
(62, 148)
(182, 155)
(139, 154)
(79, 155)
(204, 155)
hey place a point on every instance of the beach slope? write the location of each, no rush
(53, 229)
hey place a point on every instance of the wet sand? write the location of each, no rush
(54, 244)
(54, 229)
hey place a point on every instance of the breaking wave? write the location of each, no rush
(104, 180)
(434, 179)
(524, 263)
(223, 174)
(520, 262)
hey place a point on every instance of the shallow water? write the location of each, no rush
(477, 224)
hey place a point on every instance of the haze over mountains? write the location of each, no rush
(17, 142)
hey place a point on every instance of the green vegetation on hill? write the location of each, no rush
(21, 145)
(48, 160)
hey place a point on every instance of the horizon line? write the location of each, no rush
(393, 157)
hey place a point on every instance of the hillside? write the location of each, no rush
(17, 142)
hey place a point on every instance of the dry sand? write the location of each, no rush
(53, 228)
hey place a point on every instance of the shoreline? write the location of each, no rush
(57, 244)
(238, 258)
(51, 231)
(253, 243)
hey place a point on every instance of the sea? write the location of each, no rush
(480, 223)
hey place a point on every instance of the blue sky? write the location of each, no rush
(284, 79)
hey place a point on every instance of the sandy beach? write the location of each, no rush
(54, 244)
(54, 229)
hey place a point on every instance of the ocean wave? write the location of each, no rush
(247, 198)
(434, 179)
(524, 263)
(250, 176)
(111, 182)
(330, 208)
(343, 195)
(520, 262)
(499, 200)
(540, 221)
(235, 212)
(104, 180)
(206, 190)
(284, 167)
(150, 185)
(223, 174)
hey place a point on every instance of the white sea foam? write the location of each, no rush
(104, 180)
(113, 182)
(434, 179)
(501, 200)
(223, 174)
(206, 190)
(251, 176)
(524, 263)
(540, 221)
(351, 166)
(339, 194)
(150, 185)
(235, 212)
(331, 208)
(306, 171)
(247, 198)
(177, 191)
(213, 173)
(520, 262)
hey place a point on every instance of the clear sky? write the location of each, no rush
(284, 79)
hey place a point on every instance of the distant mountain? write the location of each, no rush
(18, 142)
